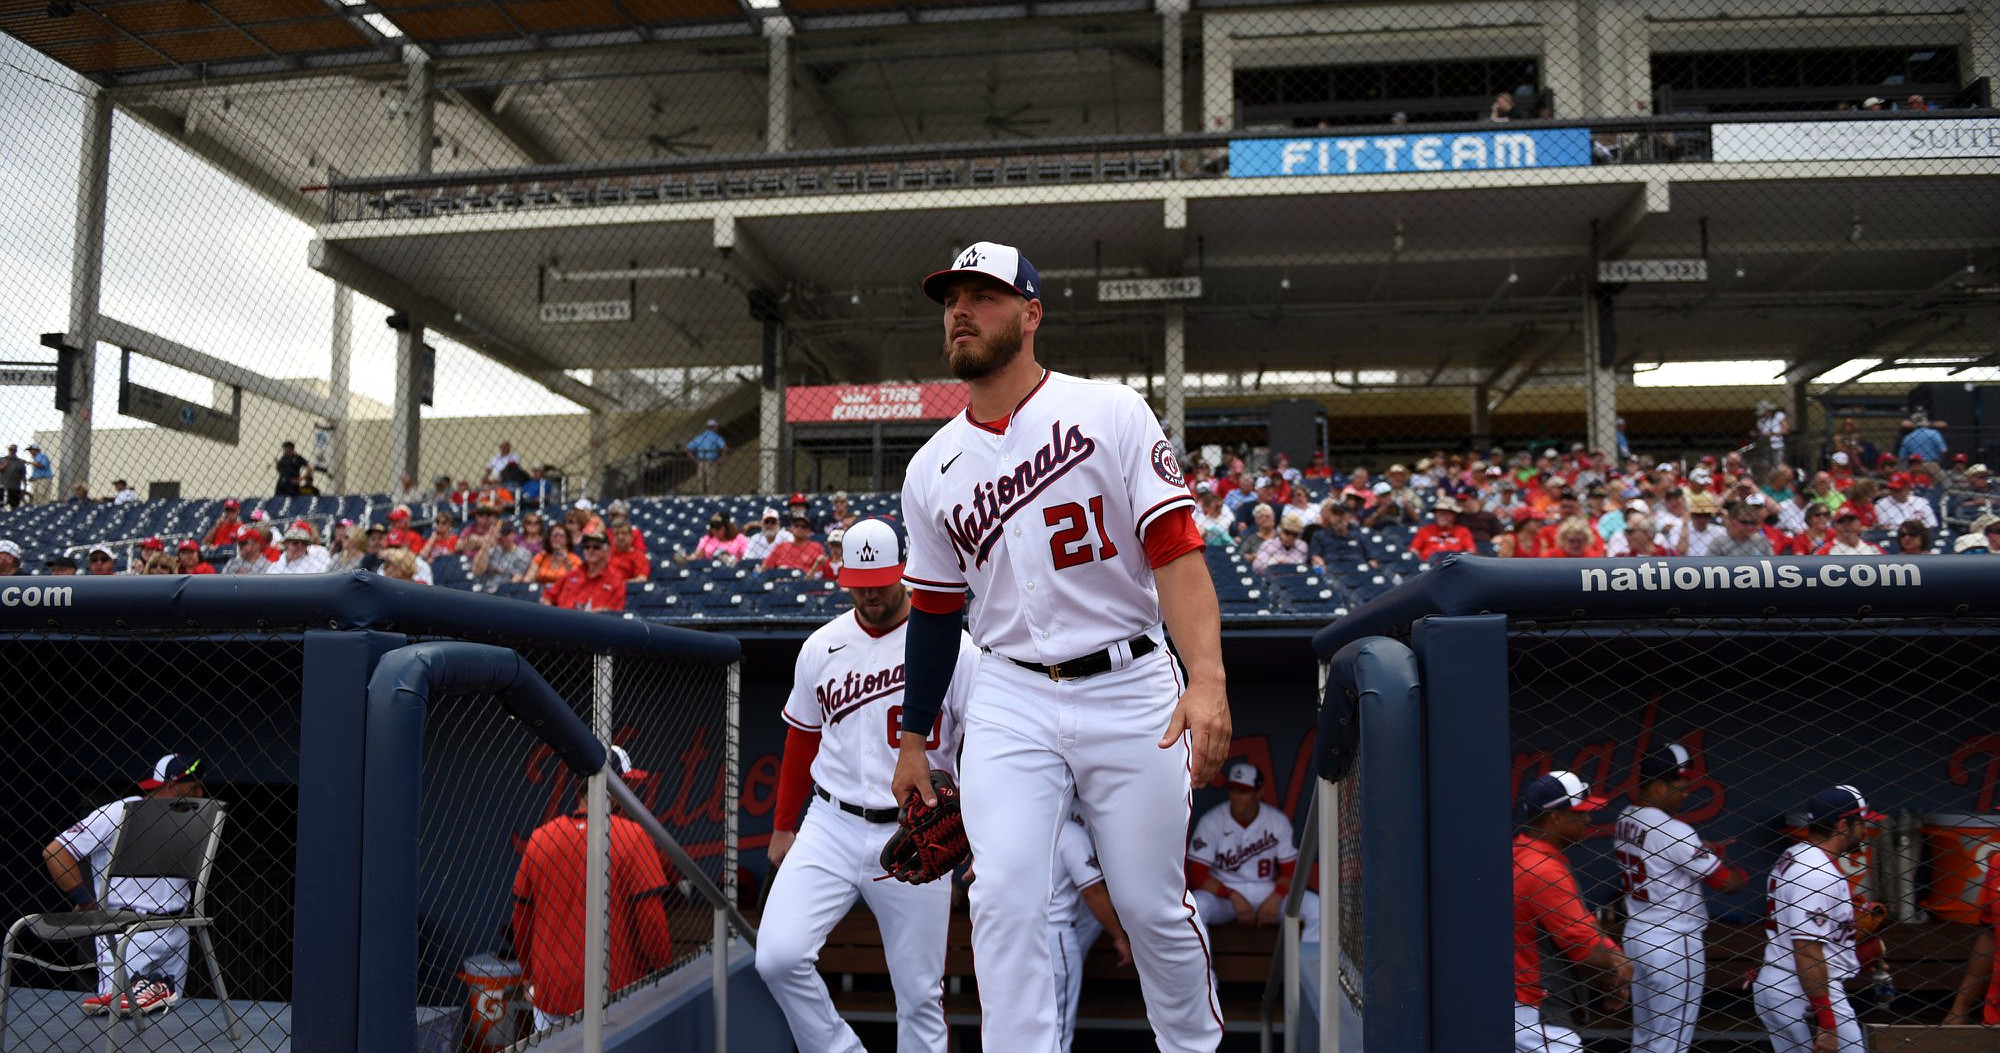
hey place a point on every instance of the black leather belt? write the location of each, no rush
(872, 815)
(1088, 665)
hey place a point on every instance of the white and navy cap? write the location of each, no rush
(172, 768)
(1561, 791)
(620, 763)
(1666, 761)
(1840, 802)
(1246, 775)
(10, 548)
(872, 554)
(1002, 262)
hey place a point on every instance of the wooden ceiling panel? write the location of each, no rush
(43, 32)
(565, 16)
(660, 11)
(451, 23)
(249, 12)
(213, 46)
(164, 16)
(104, 56)
(302, 37)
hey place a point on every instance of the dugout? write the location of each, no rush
(1781, 676)
(269, 681)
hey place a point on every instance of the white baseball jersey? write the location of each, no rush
(848, 687)
(1044, 521)
(1662, 863)
(1076, 869)
(1243, 857)
(1810, 899)
(89, 842)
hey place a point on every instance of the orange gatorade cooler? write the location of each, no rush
(1959, 845)
(494, 986)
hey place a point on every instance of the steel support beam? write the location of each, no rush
(406, 422)
(86, 279)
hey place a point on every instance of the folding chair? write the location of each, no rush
(163, 837)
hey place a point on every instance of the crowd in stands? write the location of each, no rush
(1279, 539)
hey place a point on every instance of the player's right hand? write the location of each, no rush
(1268, 911)
(913, 771)
(1826, 1042)
(1246, 912)
(781, 843)
(1124, 948)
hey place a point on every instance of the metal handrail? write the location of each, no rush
(1284, 968)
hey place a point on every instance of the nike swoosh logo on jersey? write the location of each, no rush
(948, 464)
(842, 647)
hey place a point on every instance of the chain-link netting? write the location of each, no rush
(99, 724)
(503, 849)
(1797, 820)
(329, 259)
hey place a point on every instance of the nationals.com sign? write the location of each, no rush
(840, 403)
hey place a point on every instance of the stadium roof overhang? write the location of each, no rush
(1429, 272)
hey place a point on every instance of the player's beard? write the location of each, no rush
(989, 352)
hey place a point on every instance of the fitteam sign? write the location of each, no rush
(1387, 154)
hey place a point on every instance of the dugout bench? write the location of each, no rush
(857, 973)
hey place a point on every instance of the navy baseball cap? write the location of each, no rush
(1560, 791)
(1246, 775)
(1665, 761)
(172, 768)
(1004, 263)
(1840, 802)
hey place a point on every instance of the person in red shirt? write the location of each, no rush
(189, 554)
(802, 553)
(1546, 902)
(400, 535)
(1443, 535)
(628, 557)
(1980, 986)
(595, 586)
(549, 907)
(444, 537)
(1574, 539)
(1317, 468)
(223, 533)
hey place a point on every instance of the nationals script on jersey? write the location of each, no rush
(1243, 857)
(848, 687)
(1662, 862)
(1044, 521)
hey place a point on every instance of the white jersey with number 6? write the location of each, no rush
(1044, 521)
(848, 687)
(1663, 863)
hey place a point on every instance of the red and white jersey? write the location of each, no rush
(848, 687)
(1044, 520)
(1243, 856)
(1076, 869)
(1662, 862)
(89, 842)
(1810, 900)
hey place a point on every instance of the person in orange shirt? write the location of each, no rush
(549, 907)
(595, 586)
(556, 559)
(630, 561)
(1980, 986)
(1546, 902)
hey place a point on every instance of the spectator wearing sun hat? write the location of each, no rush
(302, 553)
(1443, 534)
(1288, 547)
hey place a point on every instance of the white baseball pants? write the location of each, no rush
(1531, 1035)
(834, 861)
(1218, 911)
(1032, 746)
(1669, 971)
(1782, 1006)
(163, 952)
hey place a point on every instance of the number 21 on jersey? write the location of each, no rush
(1068, 545)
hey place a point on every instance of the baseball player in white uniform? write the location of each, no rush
(1059, 502)
(1241, 861)
(1078, 883)
(846, 719)
(1664, 864)
(156, 962)
(1809, 933)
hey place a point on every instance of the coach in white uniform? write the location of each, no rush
(1078, 882)
(846, 718)
(1809, 934)
(1664, 864)
(156, 962)
(1241, 862)
(1059, 502)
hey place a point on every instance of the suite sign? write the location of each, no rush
(1856, 140)
(1390, 154)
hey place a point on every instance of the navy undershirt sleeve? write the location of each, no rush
(930, 651)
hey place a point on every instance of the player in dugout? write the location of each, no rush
(549, 903)
(1978, 999)
(1557, 810)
